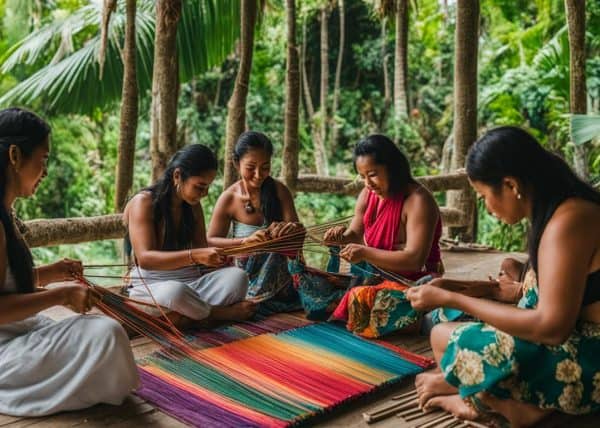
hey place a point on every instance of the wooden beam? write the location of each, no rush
(345, 186)
(46, 233)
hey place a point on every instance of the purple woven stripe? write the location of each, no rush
(184, 406)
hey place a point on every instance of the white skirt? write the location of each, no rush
(48, 367)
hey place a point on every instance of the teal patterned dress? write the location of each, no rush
(565, 377)
(267, 273)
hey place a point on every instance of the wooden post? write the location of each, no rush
(465, 106)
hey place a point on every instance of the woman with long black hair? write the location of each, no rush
(166, 229)
(47, 366)
(396, 228)
(524, 360)
(257, 208)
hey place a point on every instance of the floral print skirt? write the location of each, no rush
(564, 377)
(268, 273)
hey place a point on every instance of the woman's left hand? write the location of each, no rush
(427, 297)
(66, 270)
(282, 228)
(354, 253)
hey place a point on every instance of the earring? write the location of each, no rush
(178, 188)
(519, 196)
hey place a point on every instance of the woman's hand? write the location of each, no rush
(335, 234)
(279, 229)
(64, 270)
(77, 297)
(427, 297)
(507, 290)
(210, 256)
(261, 235)
(353, 253)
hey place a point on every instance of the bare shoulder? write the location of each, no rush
(576, 216)
(420, 199)
(140, 206)
(281, 189)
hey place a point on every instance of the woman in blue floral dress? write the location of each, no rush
(524, 361)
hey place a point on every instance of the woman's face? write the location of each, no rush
(196, 187)
(375, 176)
(502, 203)
(33, 170)
(254, 167)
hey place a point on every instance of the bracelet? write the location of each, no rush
(192, 261)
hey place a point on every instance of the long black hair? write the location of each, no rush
(191, 160)
(386, 153)
(27, 131)
(269, 201)
(509, 151)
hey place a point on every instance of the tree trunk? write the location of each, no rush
(310, 108)
(387, 85)
(401, 61)
(292, 102)
(236, 107)
(338, 71)
(320, 153)
(575, 11)
(165, 84)
(465, 104)
(129, 113)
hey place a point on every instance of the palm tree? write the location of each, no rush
(165, 85)
(578, 95)
(338, 72)
(320, 152)
(129, 114)
(236, 108)
(292, 101)
(67, 80)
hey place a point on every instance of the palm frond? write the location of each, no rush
(584, 128)
(206, 35)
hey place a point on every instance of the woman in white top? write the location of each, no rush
(48, 366)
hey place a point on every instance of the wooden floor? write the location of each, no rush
(137, 413)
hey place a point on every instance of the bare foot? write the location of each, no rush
(431, 384)
(452, 404)
(237, 312)
(517, 413)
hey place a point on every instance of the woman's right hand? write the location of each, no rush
(210, 256)
(77, 297)
(335, 234)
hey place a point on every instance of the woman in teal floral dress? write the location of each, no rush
(524, 361)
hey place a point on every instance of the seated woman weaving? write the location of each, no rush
(48, 366)
(523, 361)
(165, 223)
(256, 209)
(395, 230)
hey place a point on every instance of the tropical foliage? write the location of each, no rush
(49, 63)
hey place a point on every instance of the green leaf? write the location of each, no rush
(205, 36)
(584, 127)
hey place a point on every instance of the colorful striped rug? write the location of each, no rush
(274, 379)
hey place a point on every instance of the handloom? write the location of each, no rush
(275, 379)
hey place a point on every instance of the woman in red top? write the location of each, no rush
(396, 228)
